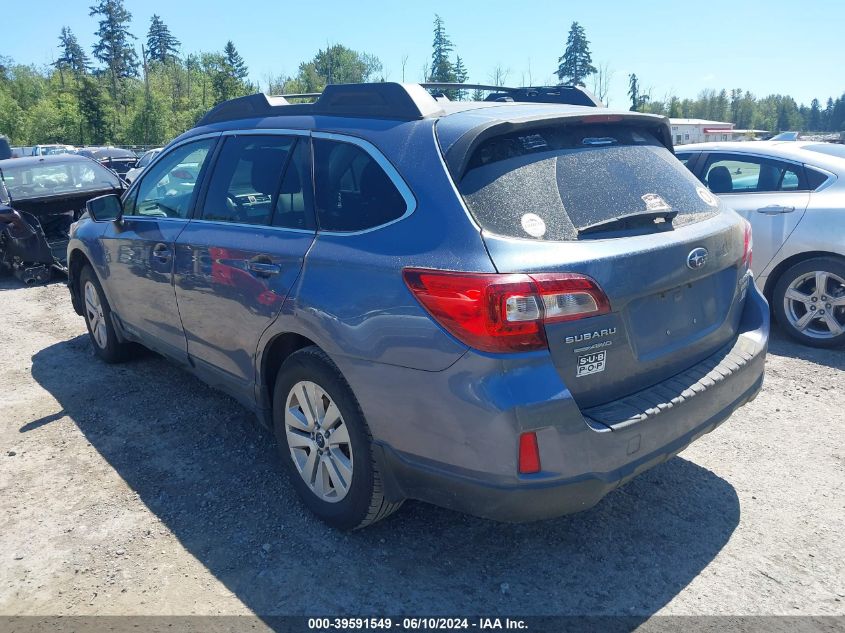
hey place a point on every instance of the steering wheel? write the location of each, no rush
(234, 207)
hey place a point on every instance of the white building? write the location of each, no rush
(701, 131)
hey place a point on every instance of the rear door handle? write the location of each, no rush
(263, 268)
(775, 209)
(162, 253)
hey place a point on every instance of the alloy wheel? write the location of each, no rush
(318, 439)
(814, 304)
(95, 316)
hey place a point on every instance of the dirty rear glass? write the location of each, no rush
(551, 183)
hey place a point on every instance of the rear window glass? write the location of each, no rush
(34, 180)
(553, 183)
(831, 149)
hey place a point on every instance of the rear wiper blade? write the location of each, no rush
(635, 220)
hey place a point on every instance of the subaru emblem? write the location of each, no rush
(697, 258)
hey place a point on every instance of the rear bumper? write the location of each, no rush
(607, 447)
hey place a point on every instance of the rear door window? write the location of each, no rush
(738, 173)
(245, 183)
(294, 207)
(352, 191)
(551, 183)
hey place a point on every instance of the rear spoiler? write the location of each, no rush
(458, 155)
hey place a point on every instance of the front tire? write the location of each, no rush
(325, 443)
(98, 319)
(809, 302)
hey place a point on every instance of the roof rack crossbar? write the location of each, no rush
(565, 93)
(387, 100)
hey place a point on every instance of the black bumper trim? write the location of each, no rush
(695, 381)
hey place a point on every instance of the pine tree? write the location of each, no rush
(461, 76)
(73, 57)
(162, 47)
(576, 64)
(114, 48)
(634, 91)
(441, 67)
(228, 73)
(837, 118)
(235, 62)
(674, 107)
(92, 107)
(828, 115)
(814, 119)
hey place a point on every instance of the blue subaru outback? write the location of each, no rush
(502, 307)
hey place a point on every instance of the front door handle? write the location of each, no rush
(263, 267)
(775, 209)
(162, 253)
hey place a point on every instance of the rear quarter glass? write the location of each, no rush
(546, 183)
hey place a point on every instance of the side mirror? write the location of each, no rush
(108, 208)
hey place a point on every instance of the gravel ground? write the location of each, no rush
(135, 489)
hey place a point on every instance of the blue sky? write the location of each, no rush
(777, 46)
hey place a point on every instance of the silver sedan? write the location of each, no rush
(793, 193)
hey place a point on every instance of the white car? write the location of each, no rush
(145, 160)
(793, 193)
(49, 150)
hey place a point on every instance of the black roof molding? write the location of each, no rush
(388, 100)
(565, 94)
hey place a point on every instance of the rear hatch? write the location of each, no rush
(604, 197)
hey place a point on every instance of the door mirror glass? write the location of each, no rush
(105, 208)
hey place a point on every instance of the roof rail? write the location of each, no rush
(386, 100)
(566, 94)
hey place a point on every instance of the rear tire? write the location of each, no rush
(809, 302)
(325, 443)
(98, 319)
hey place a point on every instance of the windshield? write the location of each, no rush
(552, 183)
(146, 158)
(52, 179)
(50, 151)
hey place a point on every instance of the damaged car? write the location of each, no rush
(40, 196)
(117, 159)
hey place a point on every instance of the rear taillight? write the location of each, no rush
(748, 245)
(504, 312)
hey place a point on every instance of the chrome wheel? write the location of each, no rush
(814, 304)
(318, 440)
(94, 315)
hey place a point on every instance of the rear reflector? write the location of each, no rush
(748, 245)
(504, 312)
(529, 454)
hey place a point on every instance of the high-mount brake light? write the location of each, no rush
(495, 312)
(601, 118)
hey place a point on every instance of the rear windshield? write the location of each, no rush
(52, 179)
(553, 183)
(831, 149)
